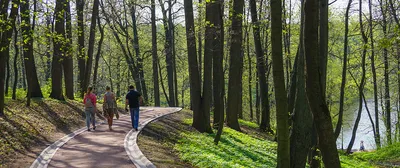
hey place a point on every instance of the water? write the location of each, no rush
(364, 131)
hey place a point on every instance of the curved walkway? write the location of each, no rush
(102, 148)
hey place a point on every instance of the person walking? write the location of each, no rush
(90, 108)
(132, 99)
(109, 106)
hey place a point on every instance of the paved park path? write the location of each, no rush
(102, 148)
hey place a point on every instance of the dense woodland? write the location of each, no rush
(293, 67)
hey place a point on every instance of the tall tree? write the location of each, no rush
(3, 46)
(344, 70)
(362, 83)
(265, 116)
(16, 53)
(92, 33)
(300, 137)
(98, 54)
(218, 73)
(139, 60)
(29, 61)
(383, 6)
(199, 120)
(323, 42)
(373, 69)
(154, 54)
(59, 47)
(235, 65)
(81, 45)
(279, 84)
(318, 106)
(68, 64)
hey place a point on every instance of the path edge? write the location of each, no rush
(43, 160)
(132, 148)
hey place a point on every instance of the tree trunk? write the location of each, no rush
(250, 75)
(323, 43)
(16, 49)
(8, 66)
(236, 65)
(98, 54)
(169, 59)
(265, 122)
(218, 73)
(300, 138)
(154, 54)
(199, 36)
(3, 55)
(344, 71)
(279, 85)
(68, 63)
(371, 35)
(318, 106)
(59, 47)
(362, 84)
(138, 57)
(81, 46)
(257, 100)
(30, 67)
(386, 75)
(195, 91)
(92, 33)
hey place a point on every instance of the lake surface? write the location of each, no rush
(364, 131)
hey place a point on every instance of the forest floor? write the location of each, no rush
(172, 142)
(26, 131)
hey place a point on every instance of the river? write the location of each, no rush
(364, 131)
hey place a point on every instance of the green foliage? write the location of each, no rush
(248, 124)
(351, 162)
(390, 153)
(234, 150)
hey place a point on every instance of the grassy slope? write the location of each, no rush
(25, 128)
(236, 149)
(389, 155)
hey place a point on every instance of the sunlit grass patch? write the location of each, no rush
(390, 153)
(234, 150)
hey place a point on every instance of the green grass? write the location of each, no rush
(238, 150)
(248, 124)
(352, 161)
(234, 150)
(390, 153)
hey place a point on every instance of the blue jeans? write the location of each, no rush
(90, 117)
(135, 117)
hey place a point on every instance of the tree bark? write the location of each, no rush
(344, 71)
(68, 63)
(386, 75)
(323, 42)
(371, 35)
(16, 49)
(138, 56)
(362, 84)
(218, 73)
(279, 84)
(92, 33)
(302, 125)
(30, 67)
(236, 65)
(59, 47)
(98, 54)
(318, 106)
(265, 119)
(154, 55)
(195, 91)
(81, 45)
